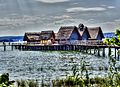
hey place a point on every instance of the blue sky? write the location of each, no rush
(20, 16)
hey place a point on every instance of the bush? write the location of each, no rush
(4, 80)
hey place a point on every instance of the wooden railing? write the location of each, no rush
(82, 42)
(73, 42)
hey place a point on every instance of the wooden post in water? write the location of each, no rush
(65, 47)
(94, 50)
(19, 47)
(118, 55)
(9, 43)
(103, 52)
(80, 48)
(83, 48)
(98, 51)
(22, 47)
(12, 47)
(86, 49)
(90, 50)
(109, 51)
(115, 53)
(4, 46)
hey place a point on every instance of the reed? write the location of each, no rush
(27, 83)
(80, 76)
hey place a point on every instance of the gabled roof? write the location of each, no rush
(46, 35)
(31, 36)
(35, 36)
(32, 33)
(82, 31)
(65, 32)
(94, 32)
(56, 34)
(47, 32)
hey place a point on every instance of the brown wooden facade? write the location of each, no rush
(43, 37)
(66, 35)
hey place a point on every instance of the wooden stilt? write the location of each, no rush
(12, 47)
(103, 52)
(86, 49)
(90, 50)
(98, 51)
(118, 55)
(109, 51)
(115, 53)
(94, 50)
(4, 45)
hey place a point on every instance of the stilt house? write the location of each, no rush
(95, 33)
(68, 35)
(83, 30)
(44, 37)
(32, 37)
(47, 37)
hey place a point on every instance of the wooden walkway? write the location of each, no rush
(99, 50)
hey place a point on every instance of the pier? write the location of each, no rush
(98, 50)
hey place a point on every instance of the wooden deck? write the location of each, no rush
(99, 50)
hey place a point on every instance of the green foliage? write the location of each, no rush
(4, 80)
(80, 77)
(69, 81)
(93, 82)
(27, 83)
(107, 41)
(84, 69)
(117, 32)
(114, 40)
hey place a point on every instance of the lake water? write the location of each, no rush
(47, 65)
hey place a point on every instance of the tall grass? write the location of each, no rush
(27, 83)
(81, 78)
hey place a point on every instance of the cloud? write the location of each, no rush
(21, 21)
(62, 17)
(52, 1)
(110, 7)
(83, 9)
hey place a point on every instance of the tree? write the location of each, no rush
(114, 40)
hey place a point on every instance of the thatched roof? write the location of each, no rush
(65, 32)
(94, 32)
(37, 36)
(46, 35)
(31, 36)
(82, 31)
(33, 33)
(56, 34)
